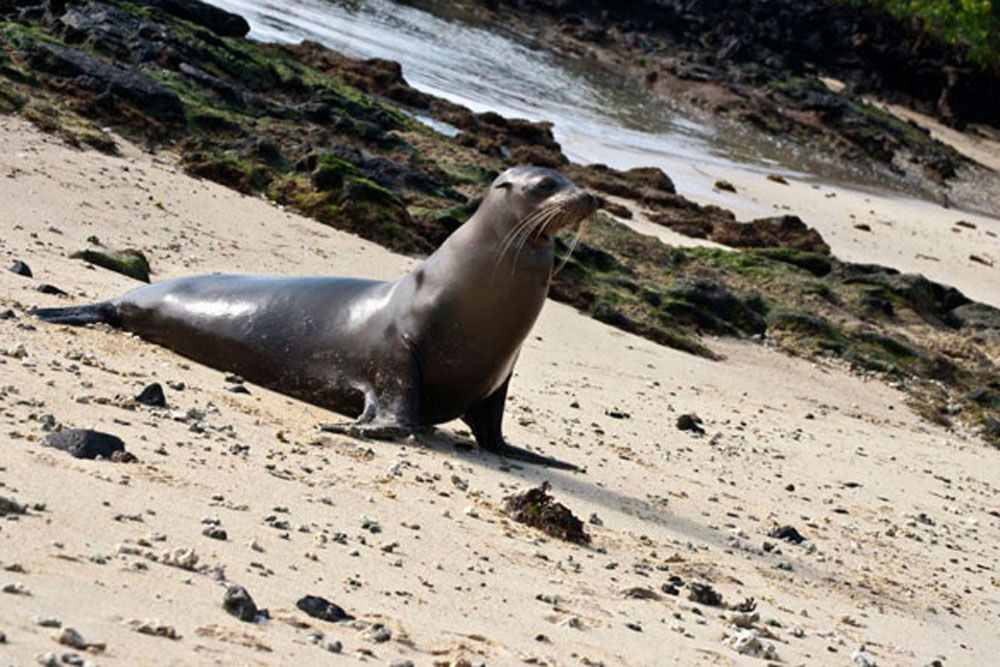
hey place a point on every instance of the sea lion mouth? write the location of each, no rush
(558, 212)
(570, 211)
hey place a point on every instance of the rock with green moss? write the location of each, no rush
(331, 173)
(128, 262)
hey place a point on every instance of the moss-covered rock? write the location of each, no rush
(128, 262)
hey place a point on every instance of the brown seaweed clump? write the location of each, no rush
(536, 508)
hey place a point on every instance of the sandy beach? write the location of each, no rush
(900, 517)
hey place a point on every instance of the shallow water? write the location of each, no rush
(597, 116)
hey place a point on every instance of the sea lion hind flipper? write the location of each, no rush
(485, 419)
(93, 313)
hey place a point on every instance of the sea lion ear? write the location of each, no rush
(505, 185)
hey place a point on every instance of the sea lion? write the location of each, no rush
(438, 344)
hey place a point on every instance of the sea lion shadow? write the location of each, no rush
(457, 445)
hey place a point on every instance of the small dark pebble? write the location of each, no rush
(690, 422)
(234, 379)
(790, 488)
(670, 589)
(864, 227)
(215, 533)
(7, 314)
(239, 389)
(725, 186)
(322, 609)
(634, 626)
(152, 396)
(46, 288)
(787, 533)
(617, 414)
(20, 268)
(239, 603)
(85, 444)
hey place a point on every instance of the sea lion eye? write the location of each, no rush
(547, 184)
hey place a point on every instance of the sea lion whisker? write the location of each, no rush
(523, 230)
(511, 237)
(569, 253)
(537, 226)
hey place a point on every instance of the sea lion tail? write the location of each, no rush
(79, 315)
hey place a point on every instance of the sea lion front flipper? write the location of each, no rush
(390, 411)
(369, 430)
(485, 419)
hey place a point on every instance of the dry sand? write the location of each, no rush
(901, 516)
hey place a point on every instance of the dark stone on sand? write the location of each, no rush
(46, 288)
(704, 594)
(239, 604)
(725, 186)
(21, 269)
(152, 396)
(85, 444)
(7, 314)
(11, 506)
(215, 533)
(690, 422)
(322, 609)
(128, 262)
(787, 533)
(239, 389)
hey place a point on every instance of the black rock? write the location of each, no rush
(690, 422)
(219, 21)
(152, 396)
(704, 594)
(7, 314)
(85, 444)
(215, 533)
(322, 609)
(239, 389)
(46, 288)
(787, 533)
(20, 268)
(101, 77)
(239, 603)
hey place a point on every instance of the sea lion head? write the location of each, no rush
(539, 203)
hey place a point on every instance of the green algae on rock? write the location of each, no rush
(128, 262)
